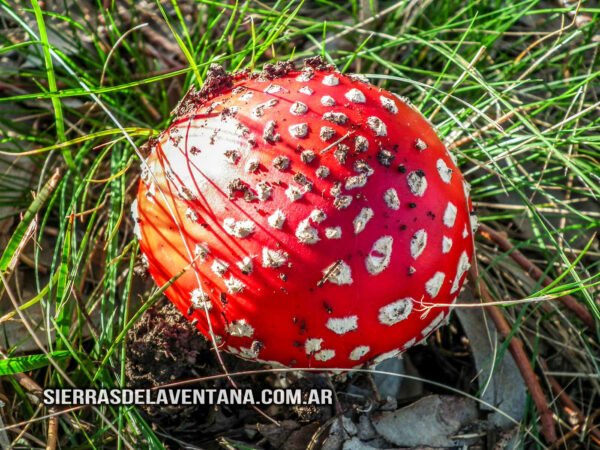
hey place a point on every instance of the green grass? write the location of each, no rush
(82, 90)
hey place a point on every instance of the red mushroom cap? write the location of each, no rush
(321, 215)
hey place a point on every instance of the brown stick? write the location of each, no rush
(574, 432)
(52, 432)
(562, 442)
(567, 402)
(517, 349)
(33, 388)
(536, 273)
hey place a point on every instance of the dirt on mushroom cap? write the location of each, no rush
(393, 236)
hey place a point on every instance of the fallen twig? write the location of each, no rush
(52, 432)
(536, 273)
(36, 390)
(568, 403)
(517, 349)
(562, 442)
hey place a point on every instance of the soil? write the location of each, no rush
(219, 80)
(318, 63)
(163, 347)
(216, 81)
(278, 70)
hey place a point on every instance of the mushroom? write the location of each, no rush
(312, 217)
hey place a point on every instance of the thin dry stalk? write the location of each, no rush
(536, 273)
(35, 389)
(569, 405)
(517, 349)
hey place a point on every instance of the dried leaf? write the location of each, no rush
(430, 421)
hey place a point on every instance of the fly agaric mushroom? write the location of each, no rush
(310, 215)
